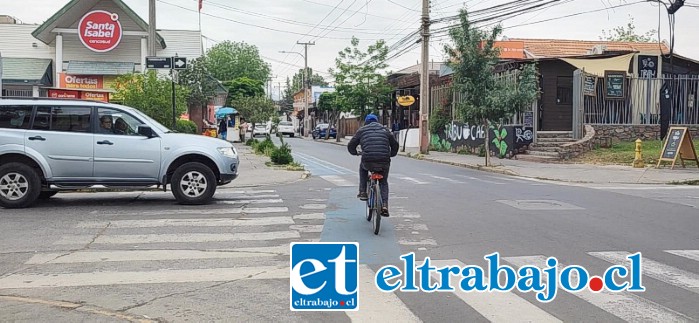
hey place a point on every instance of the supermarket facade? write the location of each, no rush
(81, 50)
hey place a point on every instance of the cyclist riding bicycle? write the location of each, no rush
(378, 146)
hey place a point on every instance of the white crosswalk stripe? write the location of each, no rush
(337, 180)
(654, 269)
(690, 254)
(377, 306)
(626, 306)
(496, 307)
(225, 222)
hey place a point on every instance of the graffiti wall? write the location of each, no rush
(504, 140)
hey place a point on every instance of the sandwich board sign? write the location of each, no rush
(678, 143)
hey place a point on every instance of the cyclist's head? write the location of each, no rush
(371, 118)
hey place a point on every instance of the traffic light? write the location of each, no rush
(675, 6)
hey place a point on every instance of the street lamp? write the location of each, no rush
(305, 93)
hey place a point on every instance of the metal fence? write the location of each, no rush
(640, 103)
(18, 93)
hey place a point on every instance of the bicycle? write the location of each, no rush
(373, 202)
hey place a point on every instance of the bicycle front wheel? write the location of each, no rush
(377, 209)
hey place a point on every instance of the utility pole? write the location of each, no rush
(425, 80)
(151, 27)
(306, 78)
(174, 75)
(1, 74)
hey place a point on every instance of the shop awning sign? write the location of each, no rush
(100, 31)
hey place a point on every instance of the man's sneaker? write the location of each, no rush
(384, 211)
(362, 196)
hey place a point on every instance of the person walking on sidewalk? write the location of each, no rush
(378, 146)
(223, 128)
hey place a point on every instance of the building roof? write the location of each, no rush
(72, 12)
(99, 68)
(26, 70)
(434, 67)
(543, 48)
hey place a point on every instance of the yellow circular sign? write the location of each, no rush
(407, 100)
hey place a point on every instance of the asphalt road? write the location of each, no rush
(131, 256)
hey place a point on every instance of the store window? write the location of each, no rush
(113, 121)
(15, 117)
(69, 119)
(564, 90)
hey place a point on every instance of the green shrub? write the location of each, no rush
(186, 126)
(282, 155)
(269, 150)
(262, 146)
(251, 142)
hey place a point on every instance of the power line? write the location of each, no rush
(293, 22)
(254, 25)
(402, 6)
(368, 14)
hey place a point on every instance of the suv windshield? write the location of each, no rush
(154, 123)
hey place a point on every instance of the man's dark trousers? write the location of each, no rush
(383, 183)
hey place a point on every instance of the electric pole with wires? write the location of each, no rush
(306, 83)
(425, 80)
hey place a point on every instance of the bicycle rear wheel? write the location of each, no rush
(377, 208)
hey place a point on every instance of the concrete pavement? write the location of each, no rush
(573, 173)
(254, 172)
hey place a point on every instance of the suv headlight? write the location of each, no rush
(228, 152)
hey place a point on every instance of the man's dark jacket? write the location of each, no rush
(378, 144)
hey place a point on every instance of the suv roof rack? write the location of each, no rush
(49, 99)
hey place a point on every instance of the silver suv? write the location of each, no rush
(51, 145)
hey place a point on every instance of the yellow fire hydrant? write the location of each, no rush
(638, 161)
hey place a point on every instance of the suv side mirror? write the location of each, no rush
(145, 131)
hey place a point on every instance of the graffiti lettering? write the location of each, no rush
(457, 132)
(523, 135)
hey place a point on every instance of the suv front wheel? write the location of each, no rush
(20, 185)
(193, 184)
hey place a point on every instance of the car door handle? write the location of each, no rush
(37, 138)
(105, 142)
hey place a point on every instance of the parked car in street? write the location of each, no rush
(321, 130)
(260, 130)
(52, 145)
(286, 128)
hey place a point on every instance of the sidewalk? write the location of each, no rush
(253, 172)
(574, 173)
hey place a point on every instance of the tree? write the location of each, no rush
(152, 95)
(628, 34)
(243, 87)
(328, 102)
(359, 82)
(201, 84)
(486, 97)
(315, 80)
(255, 109)
(287, 103)
(230, 60)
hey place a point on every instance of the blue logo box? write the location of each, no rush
(324, 276)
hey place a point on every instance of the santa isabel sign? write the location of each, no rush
(100, 30)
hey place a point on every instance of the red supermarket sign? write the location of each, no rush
(100, 30)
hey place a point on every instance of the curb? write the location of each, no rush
(491, 169)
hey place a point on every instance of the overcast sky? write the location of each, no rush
(276, 25)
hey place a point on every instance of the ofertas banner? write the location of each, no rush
(81, 82)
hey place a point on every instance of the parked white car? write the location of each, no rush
(260, 130)
(286, 128)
